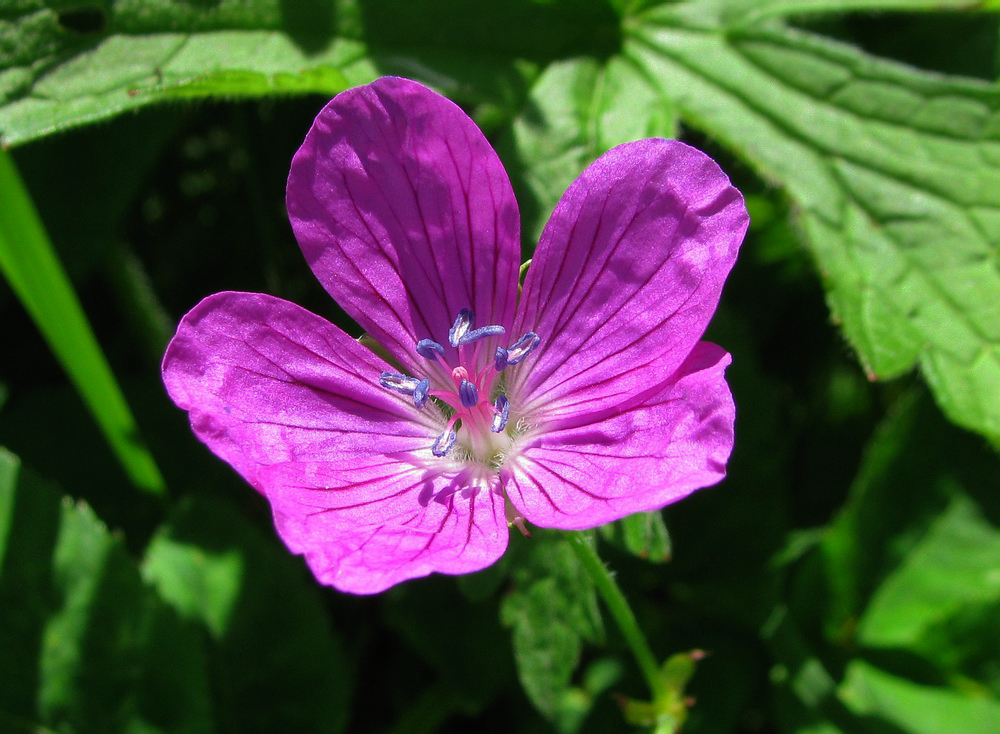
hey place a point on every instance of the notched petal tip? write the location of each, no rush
(393, 174)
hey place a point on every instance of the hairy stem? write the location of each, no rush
(621, 611)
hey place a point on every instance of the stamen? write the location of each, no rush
(468, 394)
(443, 443)
(471, 380)
(481, 333)
(462, 325)
(419, 389)
(429, 349)
(398, 382)
(463, 333)
(502, 408)
(522, 348)
(421, 393)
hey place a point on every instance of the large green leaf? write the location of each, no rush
(902, 589)
(84, 644)
(912, 561)
(64, 65)
(272, 639)
(894, 171)
(745, 11)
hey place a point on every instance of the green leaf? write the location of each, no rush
(84, 644)
(553, 610)
(748, 11)
(71, 66)
(32, 268)
(576, 110)
(277, 665)
(128, 55)
(916, 709)
(954, 567)
(644, 535)
(914, 519)
(909, 571)
(917, 540)
(907, 576)
(893, 170)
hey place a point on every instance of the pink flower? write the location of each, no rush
(586, 399)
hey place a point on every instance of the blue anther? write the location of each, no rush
(398, 382)
(428, 348)
(502, 408)
(443, 443)
(481, 333)
(468, 393)
(463, 333)
(418, 389)
(461, 327)
(522, 347)
(500, 359)
(421, 392)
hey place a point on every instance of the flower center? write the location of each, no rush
(472, 396)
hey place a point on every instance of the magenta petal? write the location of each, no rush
(293, 404)
(405, 214)
(639, 460)
(627, 275)
(267, 382)
(414, 523)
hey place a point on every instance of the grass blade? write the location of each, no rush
(30, 264)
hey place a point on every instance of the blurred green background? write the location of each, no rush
(845, 578)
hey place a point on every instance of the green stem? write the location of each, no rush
(621, 611)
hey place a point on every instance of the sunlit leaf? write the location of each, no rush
(745, 11)
(916, 709)
(954, 567)
(894, 172)
(68, 66)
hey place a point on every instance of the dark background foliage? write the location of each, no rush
(844, 578)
